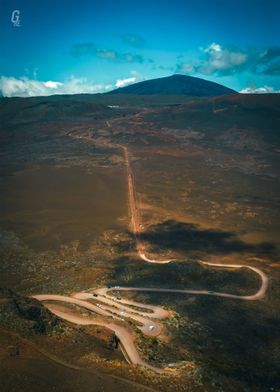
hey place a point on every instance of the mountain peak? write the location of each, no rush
(176, 84)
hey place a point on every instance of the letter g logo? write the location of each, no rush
(15, 18)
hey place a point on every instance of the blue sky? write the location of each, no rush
(93, 46)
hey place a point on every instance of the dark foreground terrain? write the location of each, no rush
(207, 181)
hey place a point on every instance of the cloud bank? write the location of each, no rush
(222, 61)
(259, 90)
(25, 87)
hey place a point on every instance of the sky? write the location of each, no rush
(82, 46)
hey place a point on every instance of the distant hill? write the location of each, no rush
(257, 115)
(176, 85)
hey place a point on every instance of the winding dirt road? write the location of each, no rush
(117, 310)
(102, 303)
(125, 336)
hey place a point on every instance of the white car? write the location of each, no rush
(151, 327)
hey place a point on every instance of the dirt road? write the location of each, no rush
(125, 336)
(101, 302)
(140, 247)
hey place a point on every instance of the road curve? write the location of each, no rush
(154, 311)
(126, 338)
(260, 294)
(140, 247)
(108, 308)
(115, 308)
(145, 258)
(75, 301)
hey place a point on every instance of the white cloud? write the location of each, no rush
(125, 82)
(213, 47)
(24, 87)
(259, 90)
(53, 84)
(137, 77)
(221, 60)
(216, 59)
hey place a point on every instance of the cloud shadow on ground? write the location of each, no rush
(190, 238)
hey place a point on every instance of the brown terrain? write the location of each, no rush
(188, 187)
